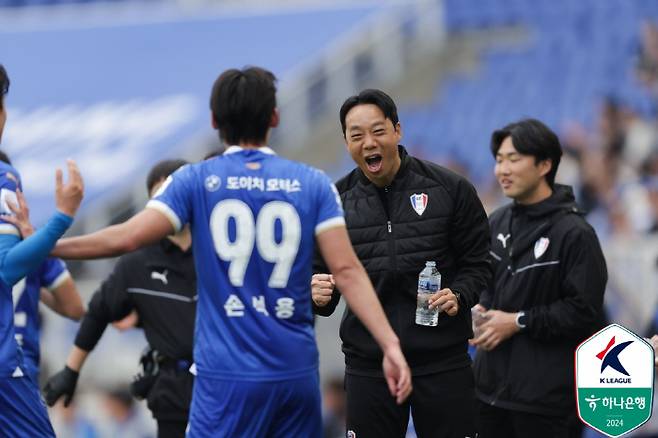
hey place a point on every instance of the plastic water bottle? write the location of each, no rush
(429, 282)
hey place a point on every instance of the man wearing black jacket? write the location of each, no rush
(546, 296)
(401, 212)
(159, 283)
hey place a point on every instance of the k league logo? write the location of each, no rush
(614, 381)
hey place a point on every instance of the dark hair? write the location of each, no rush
(161, 171)
(4, 84)
(370, 96)
(531, 137)
(4, 157)
(242, 103)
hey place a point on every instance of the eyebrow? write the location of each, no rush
(377, 124)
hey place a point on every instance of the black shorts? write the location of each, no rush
(442, 405)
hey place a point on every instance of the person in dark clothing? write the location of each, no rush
(401, 212)
(546, 296)
(158, 282)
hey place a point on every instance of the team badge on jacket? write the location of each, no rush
(419, 202)
(541, 245)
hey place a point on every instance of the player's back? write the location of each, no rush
(254, 217)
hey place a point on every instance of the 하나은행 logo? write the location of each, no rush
(614, 381)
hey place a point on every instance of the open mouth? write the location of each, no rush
(374, 163)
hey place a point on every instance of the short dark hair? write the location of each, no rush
(161, 171)
(370, 96)
(4, 84)
(4, 157)
(242, 103)
(531, 137)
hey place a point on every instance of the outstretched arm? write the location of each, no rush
(146, 227)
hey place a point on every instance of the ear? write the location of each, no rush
(275, 119)
(398, 130)
(213, 122)
(545, 166)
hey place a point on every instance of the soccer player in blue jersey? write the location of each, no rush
(255, 219)
(50, 283)
(22, 412)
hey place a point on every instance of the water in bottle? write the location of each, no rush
(429, 282)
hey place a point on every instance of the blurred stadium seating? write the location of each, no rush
(573, 57)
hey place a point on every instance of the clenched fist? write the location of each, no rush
(322, 286)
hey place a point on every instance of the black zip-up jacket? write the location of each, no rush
(159, 282)
(548, 263)
(393, 240)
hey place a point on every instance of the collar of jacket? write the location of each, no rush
(561, 199)
(404, 163)
(540, 217)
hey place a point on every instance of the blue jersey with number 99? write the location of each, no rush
(254, 217)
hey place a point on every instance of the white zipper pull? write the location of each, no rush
(389, 226)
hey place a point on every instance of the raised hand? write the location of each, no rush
(68, 196)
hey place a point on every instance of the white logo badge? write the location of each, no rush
(541, 245)
(419, 202)
(351, 434)
(213, 183)
(155, 275)
(503, 239)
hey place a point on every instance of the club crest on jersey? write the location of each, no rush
(213, 183)
(419, 202)
(541, 245)
(351, 434)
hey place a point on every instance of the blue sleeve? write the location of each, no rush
(328, 204)
(18, 258)
(52, 272)
(174, 198)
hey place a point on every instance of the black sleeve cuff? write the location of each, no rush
(89, 333)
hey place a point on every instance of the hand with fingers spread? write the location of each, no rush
(68, 196)
(21, 217)
(322, 286)
(446, 301)
(498, 327)
(397, 373)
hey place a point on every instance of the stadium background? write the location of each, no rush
(119, 85)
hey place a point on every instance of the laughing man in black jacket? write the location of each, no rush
(546, 296)
(395, 230)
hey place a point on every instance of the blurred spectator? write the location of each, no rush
(125, 420)
(69, 422)
(333, 409)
